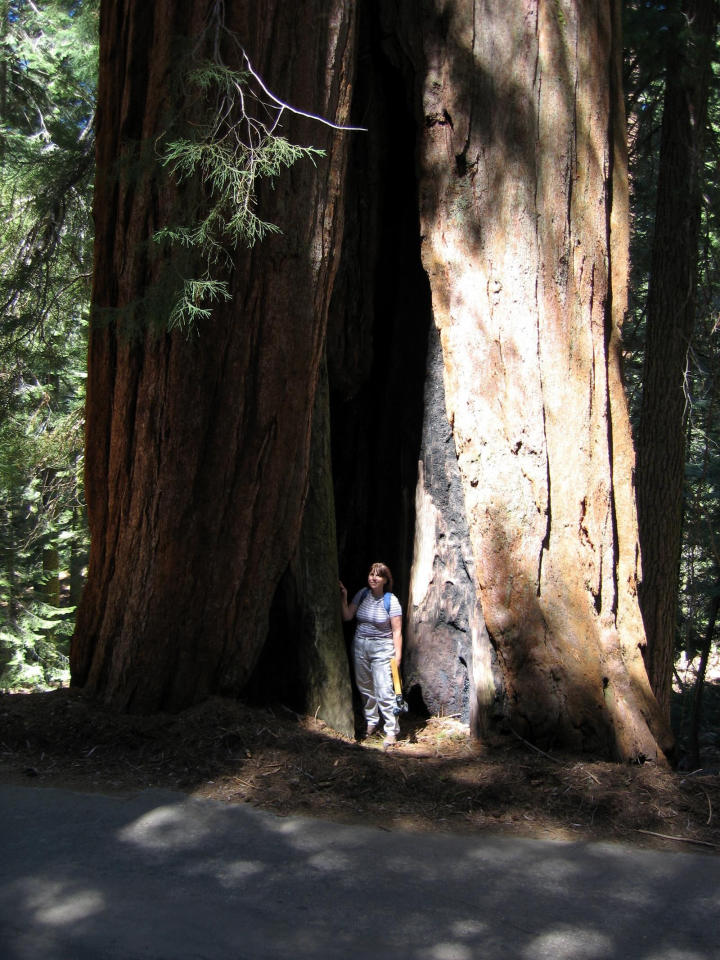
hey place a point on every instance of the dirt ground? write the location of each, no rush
(437, 778)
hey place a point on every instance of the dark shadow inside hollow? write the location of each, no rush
(378, 329)
(377, 337)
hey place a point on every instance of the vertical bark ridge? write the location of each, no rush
(183, 437)
(669, 328)
(538, 471)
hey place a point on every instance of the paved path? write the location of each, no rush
(160, 876)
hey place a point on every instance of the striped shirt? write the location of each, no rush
(373, 620)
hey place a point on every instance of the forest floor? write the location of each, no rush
(437, 778)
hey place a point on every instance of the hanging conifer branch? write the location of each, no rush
(230, 154)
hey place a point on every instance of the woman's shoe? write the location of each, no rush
(390, 740)
(371, 728)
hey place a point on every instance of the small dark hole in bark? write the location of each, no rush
(416, 702)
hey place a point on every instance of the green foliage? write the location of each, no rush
(645, 29)
(43, 533)
(188, 309)
(700, 566)
(46, 163)
(48, 54)
(35, 651)
(229, 151)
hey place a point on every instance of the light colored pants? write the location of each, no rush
(374, 680)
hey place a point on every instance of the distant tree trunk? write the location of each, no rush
(198, 447)
(78, 559)
(9, 596)
(50, 591)
(9, 554)
(694, 758)
(670, 323)
(523, 204)
(4, 14)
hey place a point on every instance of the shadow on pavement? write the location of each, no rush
(163, 876)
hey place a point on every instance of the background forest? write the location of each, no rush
(48, 66)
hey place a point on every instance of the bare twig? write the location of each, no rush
(286, 106)
(268, 730)
(665, 836)
(533, 747)
(707, 822)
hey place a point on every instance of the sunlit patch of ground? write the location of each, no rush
(436, 778)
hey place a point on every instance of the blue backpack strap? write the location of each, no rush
(387, 598)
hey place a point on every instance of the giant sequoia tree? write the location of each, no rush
(462, 266)
(671, 308)
(198, 446)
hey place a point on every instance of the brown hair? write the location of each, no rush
(382, 570)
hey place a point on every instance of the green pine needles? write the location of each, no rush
(228, 155)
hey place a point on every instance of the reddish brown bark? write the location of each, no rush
(670, 323)
(197, 449)
(524, 218)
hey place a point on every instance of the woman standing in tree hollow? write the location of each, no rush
(378, 638)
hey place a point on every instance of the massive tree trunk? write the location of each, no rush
(474, 331)
(523, 206)
(670, 323)
(303, 663)
(198, 446)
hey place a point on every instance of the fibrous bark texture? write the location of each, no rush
(303, 663)
(198, 447)
(450, 665)
(473, 292)
(523, 211)
(670, 323)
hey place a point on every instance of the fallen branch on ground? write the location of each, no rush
(533, 747)
(664, 836)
